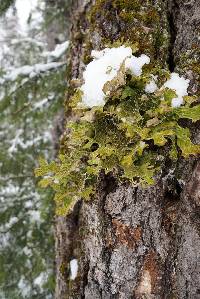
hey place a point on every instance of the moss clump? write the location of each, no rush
(137, 22)
(130, 136)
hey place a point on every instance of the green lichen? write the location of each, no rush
(130, 136)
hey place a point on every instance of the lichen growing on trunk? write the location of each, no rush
(127, 130)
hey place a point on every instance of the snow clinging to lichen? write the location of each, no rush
(104, 68)
(180, 86)
(151, 86)
(107, 65)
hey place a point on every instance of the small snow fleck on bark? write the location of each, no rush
(73, 269)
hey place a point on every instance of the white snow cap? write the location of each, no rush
(73, 269)
(180, 85)
(41, 279)
(31, 70)
(135, 64)
(59, 50)
(104, 68)
(151, 87)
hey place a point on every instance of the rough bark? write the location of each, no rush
(134, 242)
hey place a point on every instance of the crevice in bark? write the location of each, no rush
(85, 279)
(170, 60)
(172, 33)
(67, 232)
(174, 189)
(109, 186)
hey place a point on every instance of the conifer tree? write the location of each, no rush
(32, 85)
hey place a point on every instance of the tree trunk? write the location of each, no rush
(135, 242)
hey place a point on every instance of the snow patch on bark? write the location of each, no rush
(73, 269)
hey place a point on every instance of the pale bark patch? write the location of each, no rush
(145, 286)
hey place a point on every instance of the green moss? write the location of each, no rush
(127, 4)
(137, 23)
(130, 136)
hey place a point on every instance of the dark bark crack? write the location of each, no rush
(85, 279)
(172, 5)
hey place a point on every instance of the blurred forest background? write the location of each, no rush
(33, 45)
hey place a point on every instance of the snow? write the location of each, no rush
(151, 87)
(59, 50)
(12, 221)
(180, 86)
(24, 70)
(28, 204)
(30, 40)
(24, 9)
(27, 251)
(34, 140)
(31, 71)
(104, 68)
(73, 269)
(9, 189)
(24, 287)
(34, 216)
(5, 240)
(135, 64)
(41, 279)
(41, 103)
(15, 142)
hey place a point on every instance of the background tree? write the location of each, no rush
(135, 242)
(32, 85)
